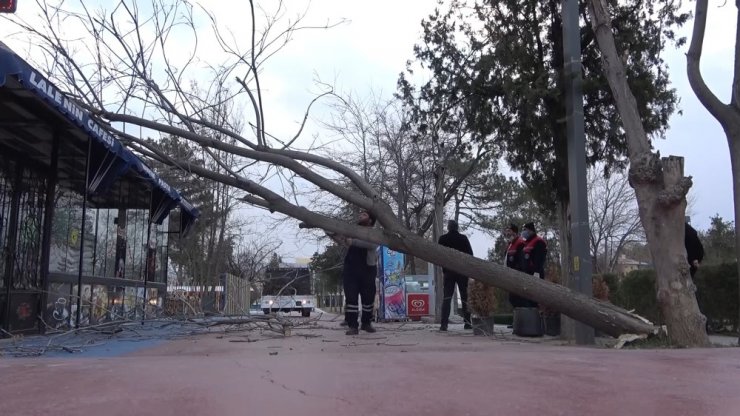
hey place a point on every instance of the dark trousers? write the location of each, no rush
(449, 289)
(520, 302)
(359, 282)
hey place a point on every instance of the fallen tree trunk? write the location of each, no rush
(603, 316)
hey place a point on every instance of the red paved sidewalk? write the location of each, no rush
(393, 372)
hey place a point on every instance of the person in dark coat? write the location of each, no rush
(358, 278)
(694, 249)
(514, 255)
(534, 253)
(453, 239)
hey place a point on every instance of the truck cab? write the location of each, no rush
(288, 288)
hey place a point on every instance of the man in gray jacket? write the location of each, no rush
(358, 278)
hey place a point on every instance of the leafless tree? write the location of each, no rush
(251, 257)
(203, 257)
(614, 218)
(421, 168)
(402, 165)
(130, 52)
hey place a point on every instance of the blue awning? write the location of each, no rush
(108, 159)
(188, 215)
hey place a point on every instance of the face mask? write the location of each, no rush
(526, 234)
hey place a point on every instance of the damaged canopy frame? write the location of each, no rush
(49, 143)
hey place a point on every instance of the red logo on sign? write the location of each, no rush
(23, 311)
(418, 304)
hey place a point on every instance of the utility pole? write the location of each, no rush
(580, 262)
(437, 229)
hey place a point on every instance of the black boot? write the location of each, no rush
(368, 328)
(352, 331)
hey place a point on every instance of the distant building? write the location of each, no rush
(626, 265)
(302, 261)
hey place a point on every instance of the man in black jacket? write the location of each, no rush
(453, 239)
(694, 249)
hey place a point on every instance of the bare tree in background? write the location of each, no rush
(202, 258)
(614, 217)
(128, 52)
(401, 164)
(421, 162)
(252, 255)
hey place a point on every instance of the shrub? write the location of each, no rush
(637, 291)
(717, 294)
(481, 298)
(600, 289)
(502, 301)
(503, 319)
(612, 281)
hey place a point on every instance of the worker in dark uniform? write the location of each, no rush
(514, 253)
(534, 253)
(358, 278)
(694, 249)
(453, 239)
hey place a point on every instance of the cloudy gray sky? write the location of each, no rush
(369, 51)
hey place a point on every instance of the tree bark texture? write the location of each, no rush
(605, 317)
(661, 189)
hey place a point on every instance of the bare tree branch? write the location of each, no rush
(693, 66)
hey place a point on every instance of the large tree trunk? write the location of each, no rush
(605, 317)
(662, 207)
(732, 131)
(608, 318)
(661, 191)
(733, 139)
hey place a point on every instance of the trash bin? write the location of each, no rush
(527, 322)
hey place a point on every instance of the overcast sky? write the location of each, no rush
(369, 51)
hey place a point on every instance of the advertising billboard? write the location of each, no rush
(392, 285)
